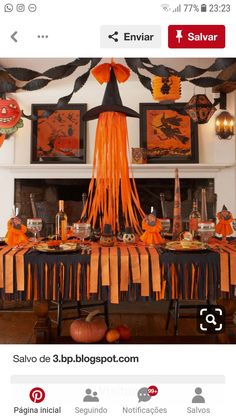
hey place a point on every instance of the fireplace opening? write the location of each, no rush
(42, 195)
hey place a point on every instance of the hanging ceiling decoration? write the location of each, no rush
(111, 192)
(200, 109)
(166, 88)
(142, 67)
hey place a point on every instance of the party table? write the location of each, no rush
(119, 273)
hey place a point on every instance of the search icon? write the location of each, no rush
(210, 318)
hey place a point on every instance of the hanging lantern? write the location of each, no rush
(10, 117)
(225, 126)
(200, 109)
(166, 88)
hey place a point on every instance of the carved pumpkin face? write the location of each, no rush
(10, 113)
(129, 238)
(67, 146)
(107, 241)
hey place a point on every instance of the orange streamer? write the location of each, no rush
(112, 191)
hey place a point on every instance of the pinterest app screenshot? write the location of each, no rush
(117, 209)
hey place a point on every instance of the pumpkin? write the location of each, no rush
(67, 146)
(10, 113)
(124, 331)
(89, 330)
(112, 335)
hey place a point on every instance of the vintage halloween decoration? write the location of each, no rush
(166, 88)
(111, 192)
(60, 137)
(152, 228)
(139, 155)
(169, 78)
(16, 232)
(107, 237)
(200, 109)
(168, 133)
(129, 236)
(225, 218)
(10, 118)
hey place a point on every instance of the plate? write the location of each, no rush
(193, 246)
(64, 247)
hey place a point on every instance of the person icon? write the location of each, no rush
(90, 397)
(95, 398)
(198, 398)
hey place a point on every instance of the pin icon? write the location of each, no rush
(179, 35)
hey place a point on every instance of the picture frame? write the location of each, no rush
(168, 133)
(60, 137)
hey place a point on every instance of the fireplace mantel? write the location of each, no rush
(223, 174)
(199, 170)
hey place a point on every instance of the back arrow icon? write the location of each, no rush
(13, 36)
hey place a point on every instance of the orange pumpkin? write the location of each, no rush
(112, 335)
(67, 145)
(124, 331)
(10, 113)
(89, 330)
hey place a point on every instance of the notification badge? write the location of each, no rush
(37, 395)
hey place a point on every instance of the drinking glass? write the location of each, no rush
(206, 230)
(34, 225)
(82, 231)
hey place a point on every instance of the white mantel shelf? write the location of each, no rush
(83, 171)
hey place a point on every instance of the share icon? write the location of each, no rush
(114, 36)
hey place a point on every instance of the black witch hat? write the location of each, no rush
(111, 102)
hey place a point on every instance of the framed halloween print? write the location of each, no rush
(168, 133)
(59, 137)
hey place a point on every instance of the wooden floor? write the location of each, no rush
(146, 328)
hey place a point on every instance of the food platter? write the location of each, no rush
(58, 248)
(179, 246)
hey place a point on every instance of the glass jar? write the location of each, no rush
(206, 230)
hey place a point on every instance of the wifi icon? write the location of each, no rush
(166, 7)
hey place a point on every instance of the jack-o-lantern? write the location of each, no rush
(10, 116)
(67, 146)
(129, 236)
(107, 238)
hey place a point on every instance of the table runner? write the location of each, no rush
(118, 273)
